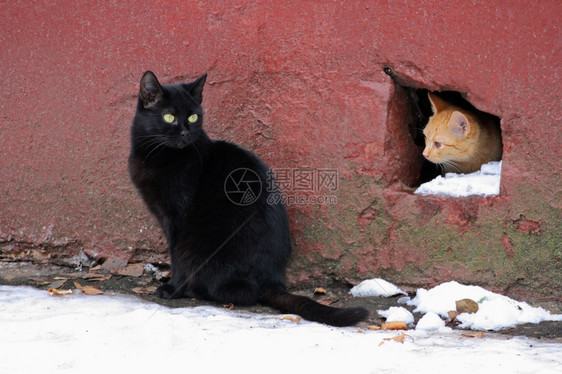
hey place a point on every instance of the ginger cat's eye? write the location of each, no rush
(438, 144)
(169, 118)
(192, 118)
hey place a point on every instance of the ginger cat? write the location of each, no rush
(459, 140)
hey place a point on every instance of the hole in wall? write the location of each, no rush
(420, 107)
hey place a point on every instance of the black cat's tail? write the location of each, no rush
(311, 310)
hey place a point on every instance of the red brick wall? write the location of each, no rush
(303, 86)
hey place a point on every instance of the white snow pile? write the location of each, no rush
(485, 182)
(432, 322)
(495, 311)
(376, 287)
(81, 333)
(397, 313)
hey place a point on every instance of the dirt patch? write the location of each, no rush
(45, 276)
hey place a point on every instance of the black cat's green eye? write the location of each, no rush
(192, 118)
(169, 118)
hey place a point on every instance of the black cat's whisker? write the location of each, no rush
(148, 145)
(160, 145)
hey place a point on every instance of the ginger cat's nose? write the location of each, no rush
(426, 152)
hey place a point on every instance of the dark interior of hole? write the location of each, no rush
(421, 112)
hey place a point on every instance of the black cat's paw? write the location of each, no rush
(167, 291)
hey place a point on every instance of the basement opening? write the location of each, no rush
(414, 98)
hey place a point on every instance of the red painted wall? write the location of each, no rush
(301, 84)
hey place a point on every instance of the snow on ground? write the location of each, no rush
(376, 287)
(495, 311)
(397, 313)
(432, 322)
(78, 333)
(485, 182)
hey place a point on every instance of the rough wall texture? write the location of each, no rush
(301, 84)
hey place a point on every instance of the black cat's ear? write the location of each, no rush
(195, 88)
(150, 90)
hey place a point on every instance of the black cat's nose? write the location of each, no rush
(185, 133)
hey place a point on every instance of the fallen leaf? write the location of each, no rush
(165, 274)
(228, 306)
(61, 278)
(295, 319)
(131, 270)
(57, 292)
(394, 325)
(508, 331)
(327, 301)
(479, 334)
(399, 338)
(466, 306)
(57, 284)
(373, 327)
(88, 290)
(96, 276)
(113, 263)
(360, 330)
(40, 255)
(147, 290)
(320, 291)
(95, 268)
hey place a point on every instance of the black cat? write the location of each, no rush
(226, 242)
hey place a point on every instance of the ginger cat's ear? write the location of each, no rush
(459, 124)
(437, 104)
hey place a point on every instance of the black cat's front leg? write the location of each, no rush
(176, 286)
(169, 291)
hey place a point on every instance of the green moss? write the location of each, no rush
(477, 252)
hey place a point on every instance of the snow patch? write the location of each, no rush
(374, 288)
(485, 182)
(431, 322)
(122, 334)
(397, 313)
(495, 312)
